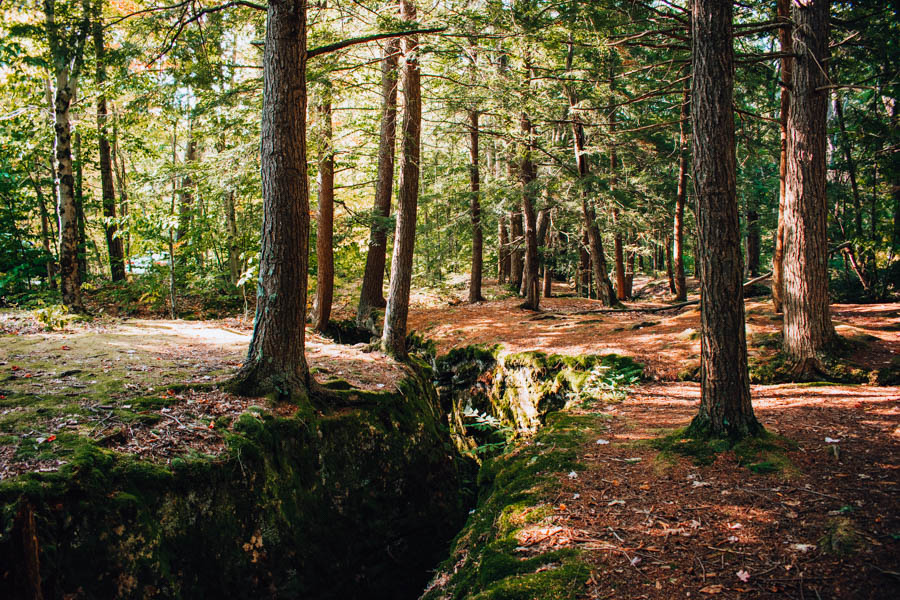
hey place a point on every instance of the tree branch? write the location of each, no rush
(367, 38)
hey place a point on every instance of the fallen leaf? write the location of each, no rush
(743, 575)
(51, 438)
(712, 589)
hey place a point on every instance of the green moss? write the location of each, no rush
(763, 453)
(840, 538)
(293, 505)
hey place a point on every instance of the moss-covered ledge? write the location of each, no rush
(489, 559)
(493, 557)
(356, 503)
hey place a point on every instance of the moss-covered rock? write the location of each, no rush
(356, 503)
(518, 390)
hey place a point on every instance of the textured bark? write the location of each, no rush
(393, 338)
(680, 197)
(787, 70)
(114, 245)
(325, 221)
(527, 177)
(475, 211)
(503, 254)
(516, 254)
(807, 322)
(69, 278)
(372, 292)
(276, 361)
(725, 409)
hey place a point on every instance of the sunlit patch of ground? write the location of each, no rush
(122, 383)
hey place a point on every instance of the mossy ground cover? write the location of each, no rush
(517, 490)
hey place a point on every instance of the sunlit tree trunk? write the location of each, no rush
(372, 292)
(725, 409)
(276, 360)
(393, 338)
(325, 221)
(807, 321)
(787, 69)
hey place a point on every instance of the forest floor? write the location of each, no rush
(824, 524)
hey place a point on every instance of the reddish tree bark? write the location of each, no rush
(807, 321)
(725, 409)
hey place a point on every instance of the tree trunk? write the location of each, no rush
(475, 211)
(851, 167)
(516, 254)
(234, 261)
(393, 338)
(807, 322)
(325, 225)
(527, 177)
(670, 271)
(787, 70)
(680, 197)
(118, 164)
(372, 292)
(629, 273)
(503, 254)
(276, 360)
(595, 240)
(69, 276)
(753, 239)
(187, 189)
(113, 242)
(45, 229)
(78, 165)
(725, 409)
(584, 261)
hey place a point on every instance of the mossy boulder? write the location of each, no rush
(356, 503)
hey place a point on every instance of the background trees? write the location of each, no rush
(581, 122)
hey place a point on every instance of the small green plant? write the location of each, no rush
(53, 316)
(605, 382)
(489, 427)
